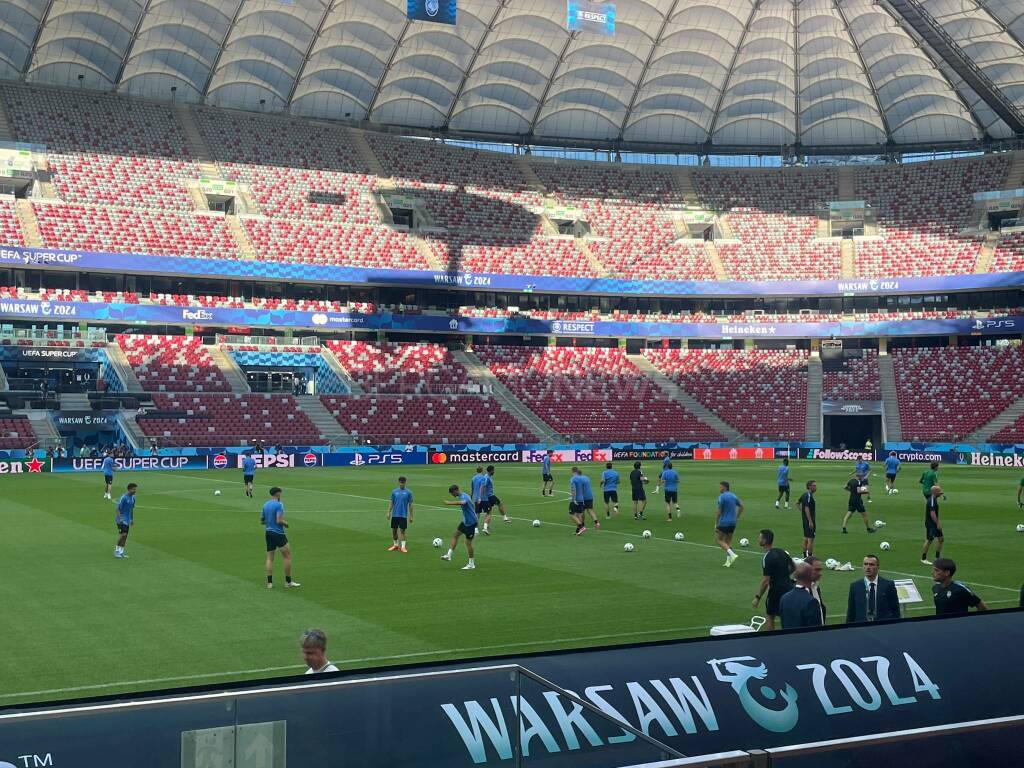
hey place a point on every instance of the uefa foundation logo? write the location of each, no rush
(556, 327)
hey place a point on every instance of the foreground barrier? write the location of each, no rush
(782, 693)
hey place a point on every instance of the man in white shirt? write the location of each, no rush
(314, 652)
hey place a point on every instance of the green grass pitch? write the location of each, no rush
(190, 606)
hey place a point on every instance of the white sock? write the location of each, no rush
(449, 553)
(471, 561)
(395, 541)
(731, 553)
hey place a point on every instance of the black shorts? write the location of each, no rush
(932, 531)
(493, 501)
(890, 478)
(575, 507)
(784, 488)
(863, 480)
(123, 528)
(247, 479)
(808, 530)
(728, 530)
(276, 541)
(639, 494)
(467, 529)
(771, 606)
(671, 497)
(482, 508)
(108, 479)
(547, 478)
(611, 496)
(856, 506)
(400, 522)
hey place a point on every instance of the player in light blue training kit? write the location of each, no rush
(492, 500)
(108, 475)
(478, 492)
(862, 471)
(892, 467)
(581, 498)
(248, 473)
(547, 479)
(272, 519)
(125, 519)
(400, 513)
(666, 463)
(466, 528)
(670, 479)
(728, 515)
(610, 487)
(782, 479)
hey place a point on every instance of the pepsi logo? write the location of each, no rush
(439, 458)
(309, 460)
(220, 461)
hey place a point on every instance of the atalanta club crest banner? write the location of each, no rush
(438, 11)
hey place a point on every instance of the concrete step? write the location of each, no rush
(890, 404)
(196, 142)
(595, 263)
(1006, 418)
(241, 237)
(29, 224)
(75, 401)
(485, 377)
(428, 253)
(986, 254)
(327, 426)
(846, 182)
(228, 366)
(123, 369)
(42, 425)
(716, 260)
(365, 152)
(815, 379)
(684, 180)
(1015, 176)
(532, 179)
(848, 258)
(684, 398)
(341, 372)
(132, 430)
(5, 124)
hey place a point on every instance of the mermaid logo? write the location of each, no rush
(739, 671)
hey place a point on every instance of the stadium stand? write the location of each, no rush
(1012, 434)
(10, 229)
(858, 380)
(194, 420)
(945, 393)
(173, 364)
(399, 368)
(762, 393)
(326, 243)
(1009, 253)
(16, 432)
(592, 393)
(427, 419)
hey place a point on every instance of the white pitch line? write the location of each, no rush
(395, 657)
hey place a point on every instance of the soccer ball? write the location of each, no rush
(1020, 527)
(895, 490)
(879, 523)
(862, 489)
(536, 523)
(831, 563)
(216, 493)
(646, 534)
(744, 542)
(438, 542)
(627, 547)
(885, 545)
(680, 536)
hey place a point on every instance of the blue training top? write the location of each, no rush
(401, 498)
(610, 480)
(271, 510)
(477, 486)
(249, 465)
(108, 465)
(783, 477)
(892, 465)
(545, 465)
(670, 479)
(125, 510)
(468, 510)
(727, 504)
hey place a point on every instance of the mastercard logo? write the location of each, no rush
(439, 458)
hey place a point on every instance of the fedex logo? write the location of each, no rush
(196, 314)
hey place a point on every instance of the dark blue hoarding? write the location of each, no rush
(587, 16)
(437, 11)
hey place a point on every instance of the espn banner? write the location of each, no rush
(699, 697)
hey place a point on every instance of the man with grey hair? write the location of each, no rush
(798, 608)
(314, 652)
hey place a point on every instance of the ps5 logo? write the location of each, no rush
(431, 7)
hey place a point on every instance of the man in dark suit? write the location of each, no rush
(872, 598)
(798, 608)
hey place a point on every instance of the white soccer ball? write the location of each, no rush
(895, 490)
(879, 523)
(831, 563)
(744, 542)
(646, 534)
(438, 542)
(885, 545)
(536, 523)
(680, 536)
(797, 560)
(216, 493)
(627, 547)
(1020, 527)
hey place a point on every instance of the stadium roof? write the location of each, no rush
(679, 75)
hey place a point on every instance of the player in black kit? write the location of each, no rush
(776, 565)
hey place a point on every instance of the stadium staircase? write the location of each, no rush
(1005, 419)
(46, 433)
(226, 363)
(681, 396)
(29, 224)
(845, 181)
(366, 153)
(326, 425)
(196, 144)
(5, 385)
(847, 258)
(5, 125)
(339, 370)
(119, 362)
(490, 383)
(684, 181)
(241, 238)
(428, 253)
(890, 403)
(532, 179)
(815, 379)
(75, 401)
(1015, 176)
(987, 253)
(716, 260)
(595, 263)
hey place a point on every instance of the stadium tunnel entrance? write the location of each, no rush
(852, 431)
